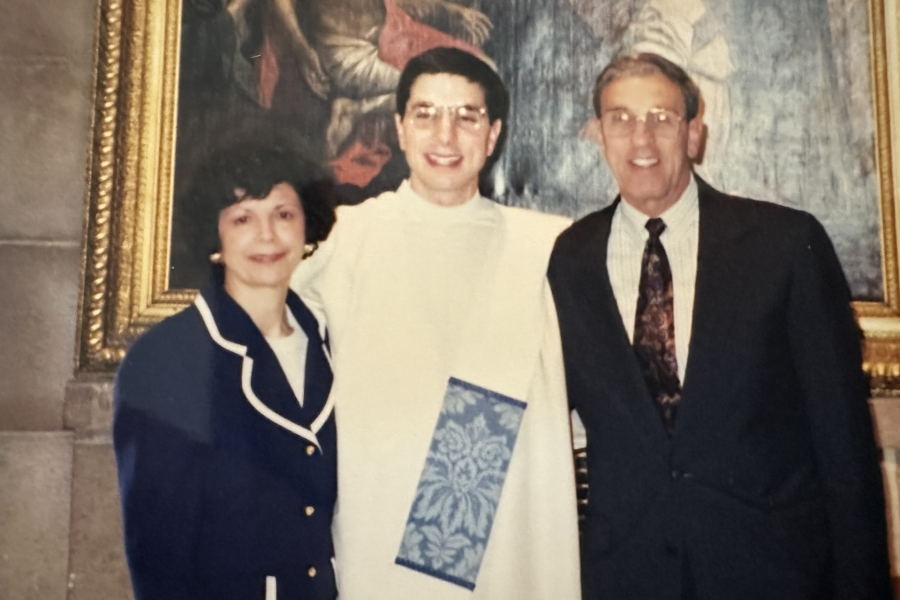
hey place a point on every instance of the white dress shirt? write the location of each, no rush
(627, 238)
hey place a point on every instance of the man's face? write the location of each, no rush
(445, 153)
(651, 168)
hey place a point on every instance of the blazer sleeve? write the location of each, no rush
(826, 349)
(160, 455)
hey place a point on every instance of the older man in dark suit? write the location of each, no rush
(712, 355)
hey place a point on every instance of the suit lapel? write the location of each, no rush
(317, 402)
(716, 301)
(617, 366)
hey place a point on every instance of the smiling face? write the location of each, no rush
(652, 170)
(445, 159)
(262, 240)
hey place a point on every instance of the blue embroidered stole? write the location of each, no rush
(459, 490)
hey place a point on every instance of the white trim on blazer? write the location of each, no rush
(246, 376)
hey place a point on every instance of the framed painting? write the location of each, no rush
(801, 101)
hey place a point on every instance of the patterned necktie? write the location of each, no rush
(654, 327)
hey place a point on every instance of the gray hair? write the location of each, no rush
(643, 64)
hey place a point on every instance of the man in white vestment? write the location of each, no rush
(455, 474)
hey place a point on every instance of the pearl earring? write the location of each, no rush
(308, 249)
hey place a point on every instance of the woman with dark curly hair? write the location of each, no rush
(223, 432)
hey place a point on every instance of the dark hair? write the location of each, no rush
(453, 61)
(645, 63)
(249, 169)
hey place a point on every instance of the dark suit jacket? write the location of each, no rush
(216, 490)
(770, 486)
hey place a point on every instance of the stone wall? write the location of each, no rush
(57, 494)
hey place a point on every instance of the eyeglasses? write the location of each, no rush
(465, 116)
(658, 121)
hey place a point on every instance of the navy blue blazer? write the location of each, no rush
(227, 484)
(770, 485)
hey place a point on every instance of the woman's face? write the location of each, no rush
(262, 240)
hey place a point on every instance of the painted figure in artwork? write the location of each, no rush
(350, 52)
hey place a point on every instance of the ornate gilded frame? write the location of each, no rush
(129, 191)
(129, 186)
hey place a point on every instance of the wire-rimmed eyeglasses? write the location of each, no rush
(425, 115)
(658, 121)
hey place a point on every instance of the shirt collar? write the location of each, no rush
(678, 218)
(418, 207)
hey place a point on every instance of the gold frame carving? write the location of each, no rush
(880, 321)
(128, 199)
(129, 186)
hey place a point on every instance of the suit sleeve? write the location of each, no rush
(160, 468)
(826, 348)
